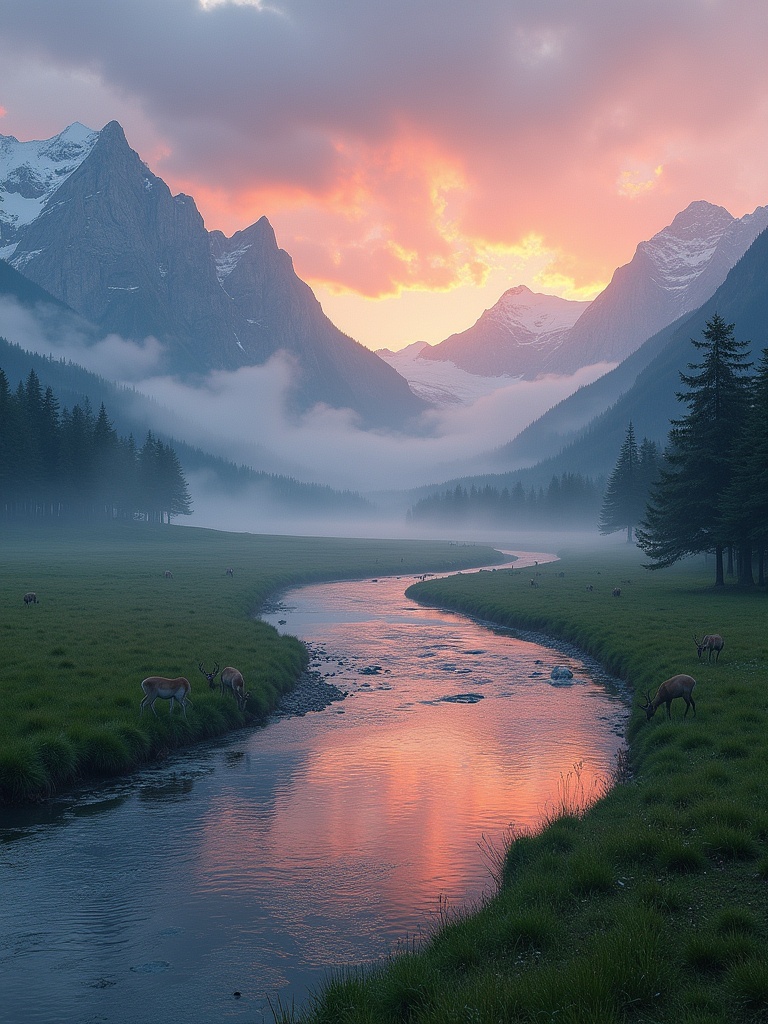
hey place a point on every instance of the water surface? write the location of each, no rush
(229, 876)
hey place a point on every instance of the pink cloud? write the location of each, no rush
(343, 121)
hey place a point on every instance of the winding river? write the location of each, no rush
(236, 876)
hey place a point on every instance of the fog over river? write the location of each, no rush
(200, 889)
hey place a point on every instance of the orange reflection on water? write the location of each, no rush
(411, 797)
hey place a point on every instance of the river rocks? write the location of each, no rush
(311, 693)
(463, 698)
(560, 674)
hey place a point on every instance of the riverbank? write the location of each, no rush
(653, 905)
(122, 602)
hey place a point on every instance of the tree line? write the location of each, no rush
(710, 493)
(570, 499)
(59, 463)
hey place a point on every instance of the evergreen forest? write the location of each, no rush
(570, 500)
(70, 464)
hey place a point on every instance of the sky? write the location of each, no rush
(415, 159)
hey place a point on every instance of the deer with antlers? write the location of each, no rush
(670, 689)
(166, 689)
(231, 679)
(711, 642)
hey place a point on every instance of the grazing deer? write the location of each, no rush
(166, 689)
(210, 676)
(30, 598)
(168, 574)
(232, 680)
(711, 642)
(677, 686)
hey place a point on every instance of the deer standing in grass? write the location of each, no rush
(166, 689)
(231, 680)
(676, 686)
(711, 642)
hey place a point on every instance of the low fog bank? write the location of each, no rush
(241, 417)
(251, 512)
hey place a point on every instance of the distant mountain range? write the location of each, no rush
(96, 243)
(84, 218)
(585, 431)
(526, 334)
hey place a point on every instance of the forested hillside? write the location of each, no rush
(60, 463)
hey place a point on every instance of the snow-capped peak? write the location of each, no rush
(533, 312)
(681, 251)
(31, 172)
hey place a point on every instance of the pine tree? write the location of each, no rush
(626, 493)
(683, 515)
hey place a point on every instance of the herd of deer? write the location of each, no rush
(231, 679)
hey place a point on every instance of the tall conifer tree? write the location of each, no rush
(683, 516)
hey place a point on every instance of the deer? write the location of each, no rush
(166, 689)
(30, 598)
(232, 679)
(676, 686)
(711, 642)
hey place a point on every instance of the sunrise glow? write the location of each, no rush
(416, 167)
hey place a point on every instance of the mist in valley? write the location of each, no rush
(241, 417)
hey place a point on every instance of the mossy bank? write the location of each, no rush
(652, 906)
(117, 604)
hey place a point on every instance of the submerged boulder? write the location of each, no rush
(560, 674)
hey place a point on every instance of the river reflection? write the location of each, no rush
(255, 865)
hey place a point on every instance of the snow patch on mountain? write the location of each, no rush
(226, 262)
(31, 172)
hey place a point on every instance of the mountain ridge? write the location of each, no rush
(112, 242)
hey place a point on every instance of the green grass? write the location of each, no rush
(107, 618)
(652, 905)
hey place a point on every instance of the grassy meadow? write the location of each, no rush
(107, 617)
(651, 906)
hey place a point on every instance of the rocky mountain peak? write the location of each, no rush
(117, 247)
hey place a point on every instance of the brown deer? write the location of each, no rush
(232, 680)
(166, 689)
(711, 642)
(676, 686)
(30, 598)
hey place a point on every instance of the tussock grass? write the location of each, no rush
(107, 618)
(650, 905)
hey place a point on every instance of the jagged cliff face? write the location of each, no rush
(108, 238)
